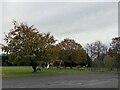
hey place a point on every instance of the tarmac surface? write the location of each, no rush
(81, 80)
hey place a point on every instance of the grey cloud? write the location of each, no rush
(72, 21)
(63, 20)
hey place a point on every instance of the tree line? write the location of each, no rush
(25, 45)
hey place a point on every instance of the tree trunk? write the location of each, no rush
(70, 65)
(64, 65)
(34, 68)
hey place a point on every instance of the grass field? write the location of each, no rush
(10, 71)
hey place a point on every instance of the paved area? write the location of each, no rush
(81, 80)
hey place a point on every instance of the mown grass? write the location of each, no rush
(12, 71)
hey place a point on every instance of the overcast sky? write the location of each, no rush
(85, 22)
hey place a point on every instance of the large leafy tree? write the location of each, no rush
(26, 44)
(114, 50)
(109, 62)
(115, 45)
(51, 53)
(71, 51)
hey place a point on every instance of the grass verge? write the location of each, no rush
(12, 71)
